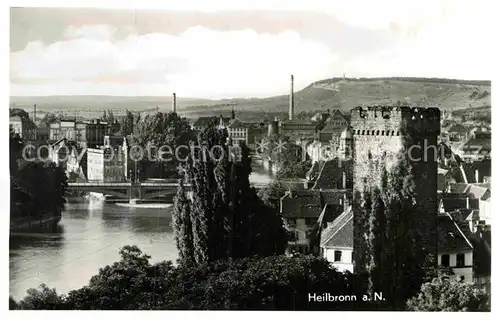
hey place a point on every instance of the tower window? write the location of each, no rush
(392, 133)
(373, 132)
(378, 132)
(382, 133)
(363, 133)
(397, 133)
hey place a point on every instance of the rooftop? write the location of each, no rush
(450, 237)
(340, 232)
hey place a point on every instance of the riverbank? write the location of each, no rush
(29, 224)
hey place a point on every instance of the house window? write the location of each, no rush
(291, 222)
(445, 260)
(352, 257)
(460, 260)
(338, 256)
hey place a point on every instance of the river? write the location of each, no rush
(88, 237)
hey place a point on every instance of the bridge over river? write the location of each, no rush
(132, 191)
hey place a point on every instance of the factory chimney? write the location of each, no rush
(291, 107)
(174, 104)
(34, 120)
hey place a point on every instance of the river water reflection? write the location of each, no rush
(89, 236)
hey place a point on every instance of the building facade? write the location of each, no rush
(24, 127)
(87, 134)
(105, 164)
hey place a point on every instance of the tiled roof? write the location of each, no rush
(460, 215)
(301, 205)
(458, 187)
(329, 214)
(333, 197)
(331, 175)
(478, 192)
(477, 145)
(340, 232)
(457, 128)
(451, 204)
(483, 168)
(205, 120)
(299, 121)
(450, 237)
(473, 215)
(237, 124)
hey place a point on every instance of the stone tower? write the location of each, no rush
(380, 136)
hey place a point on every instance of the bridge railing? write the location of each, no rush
(142, 184)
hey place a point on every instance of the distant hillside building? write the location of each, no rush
(380, 135)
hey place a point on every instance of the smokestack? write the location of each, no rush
(477, 176)
(174, 104)
(34, 119)
(291, 107)
(344, 179)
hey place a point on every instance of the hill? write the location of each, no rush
(344, 94)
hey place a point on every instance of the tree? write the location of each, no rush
(133, 283)
(127, 124)
(166, 130)
(271, 194)
(448, 295)
(42, 298)
(38, 188)
(182, 226)
(15, 149)
(48, 119)
(228, 219)
(19, 112)
(395, 261)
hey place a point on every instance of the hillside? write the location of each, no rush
(343, 94)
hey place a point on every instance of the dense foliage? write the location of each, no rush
(226, 217)
(394, 260)
(127, 124)
(37, 188)
(449, 295)
(276, 282)
(159, 135)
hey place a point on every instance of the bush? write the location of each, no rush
(449, 295)
(275, 282)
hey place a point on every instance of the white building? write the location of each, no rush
(336, 241)
(238, 132)
(455, 251)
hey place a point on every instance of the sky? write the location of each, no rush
(226, 51)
